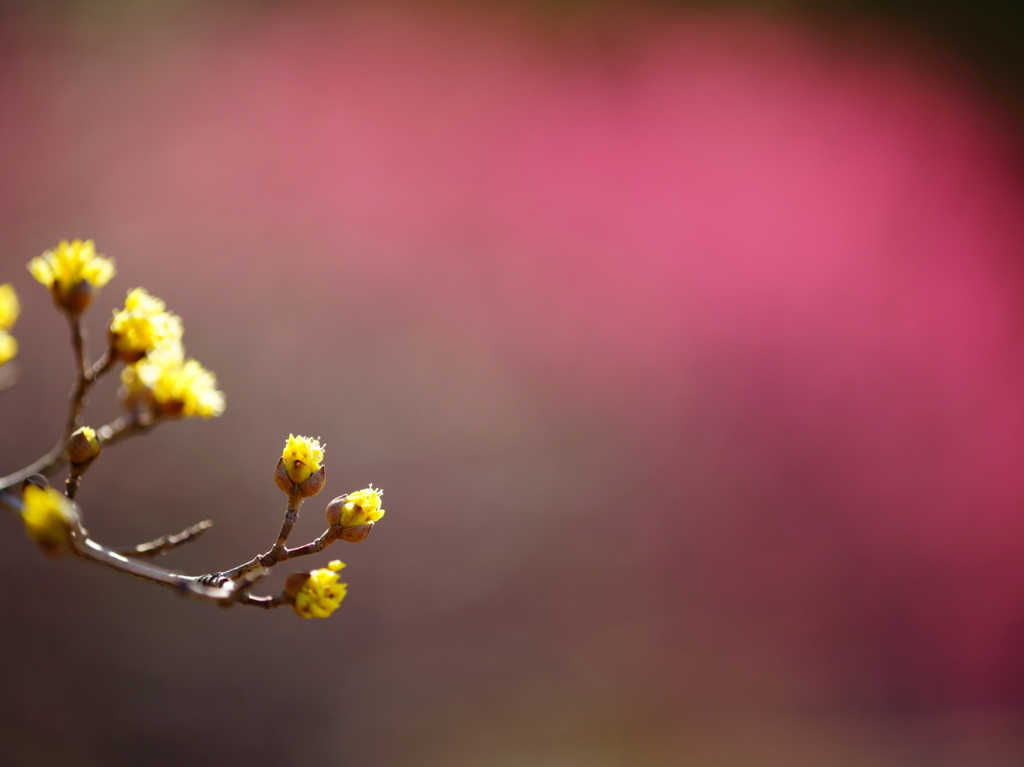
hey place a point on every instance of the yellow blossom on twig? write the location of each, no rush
(48, 517)
(71, 271)
(302, 457)
(172, 385)
(321, 594)
(142, 326)
(359, 508)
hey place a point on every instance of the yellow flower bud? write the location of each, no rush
(302, 457)
(299, 469)
(48, 518)
(142, 326)
(355, 509)
(71, 271)
(83, 447)
(320, 594)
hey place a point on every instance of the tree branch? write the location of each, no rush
(165, 543)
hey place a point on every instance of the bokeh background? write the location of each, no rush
(686, 339)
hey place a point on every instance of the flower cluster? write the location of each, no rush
(320, 594)
(356, 509)
(158, 382)
(72, 271)
(9, 310)
(157, 377)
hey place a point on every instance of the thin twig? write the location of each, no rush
(71, 485)
(102, 365)
(55, 459)
(110, 434)
(225, 588)
(81, 376)
(166, 543)
(125, 426)
(10, 502)
(45, 465)
(92, 551)
(84, 378)
(84, 547)
(276, 555)
(267, 603)
(291, 516)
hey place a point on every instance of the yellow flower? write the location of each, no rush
(302, 457)
(48, 517)
(8, 347)
(361, 507)
(142, 326)
(71, 271)
(321, 594)
(9, 310)
(172, 385)
(9, 307)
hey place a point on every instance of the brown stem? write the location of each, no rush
(165, 543)
(220, 591)
(225, 588)
(81, 376)
(84, 379)
(46, 465)
(110, 434)
(102, 366)
(125, 426)
(267, 603)
(291, 516)
(279, 554)
(10, 501)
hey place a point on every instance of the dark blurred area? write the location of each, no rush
(685, 339)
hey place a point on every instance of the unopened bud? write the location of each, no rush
(83, 447)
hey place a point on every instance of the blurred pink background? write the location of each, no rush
(687, 346)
